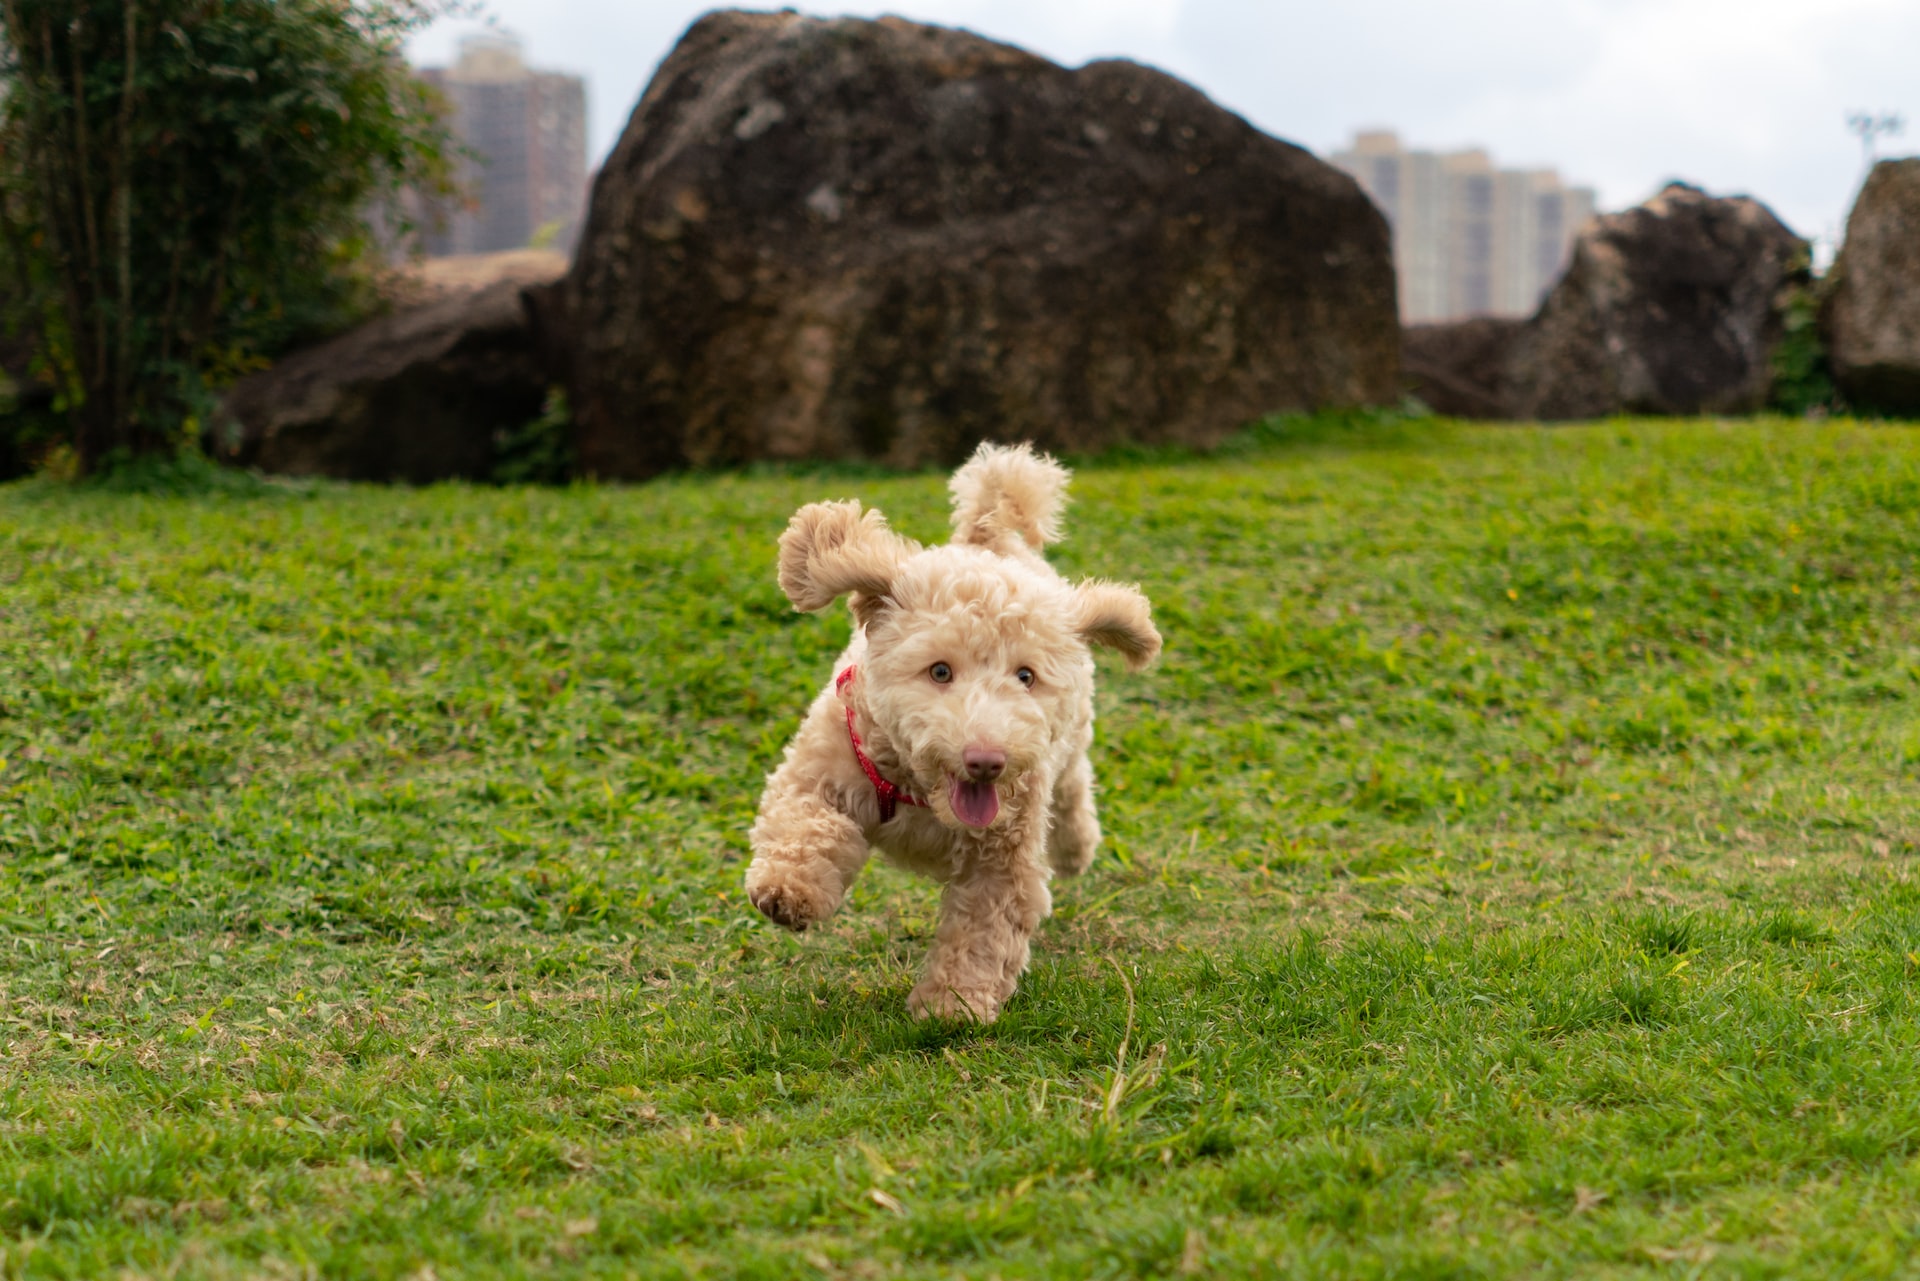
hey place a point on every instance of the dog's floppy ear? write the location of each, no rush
(831, 549)
(1117, 615)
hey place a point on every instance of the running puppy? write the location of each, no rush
(954, 734)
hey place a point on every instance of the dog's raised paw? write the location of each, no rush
(1072, 860)
(786, 905)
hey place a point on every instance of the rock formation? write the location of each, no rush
(1670, 308)
(1872, 317)
(852, 239)
(420, 395)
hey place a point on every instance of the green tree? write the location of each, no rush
(186, 185)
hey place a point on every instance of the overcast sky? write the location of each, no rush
(1739, 96)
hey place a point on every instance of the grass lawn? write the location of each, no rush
(1512, 869)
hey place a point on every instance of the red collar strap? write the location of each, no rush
(891, 794)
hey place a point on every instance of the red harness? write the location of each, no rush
(890, 794)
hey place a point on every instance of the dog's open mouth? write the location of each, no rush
(975, 804)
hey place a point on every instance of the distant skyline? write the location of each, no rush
(1469, 238)
(1738, 96)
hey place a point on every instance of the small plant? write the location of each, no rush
(184, 473)
(1664, 934)
(540, 453)
(1802, 378)
(1789, 928)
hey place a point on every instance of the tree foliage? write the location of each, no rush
(186, 185)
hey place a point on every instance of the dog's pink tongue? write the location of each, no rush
(975, 804)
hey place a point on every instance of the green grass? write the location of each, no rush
(1512, 870)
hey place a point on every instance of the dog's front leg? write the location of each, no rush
(987, 916)
(805, 856)
(1076, 822)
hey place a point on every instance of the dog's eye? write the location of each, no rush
(1025, 676)
(941, 673)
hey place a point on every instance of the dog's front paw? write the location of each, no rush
(1072, 859)
(946, 1002)
(789, 903)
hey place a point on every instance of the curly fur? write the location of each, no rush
(987, 605)
(1008, 498)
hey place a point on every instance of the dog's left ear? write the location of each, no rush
(1117, 616)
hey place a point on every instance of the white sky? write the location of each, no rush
(1739, 96)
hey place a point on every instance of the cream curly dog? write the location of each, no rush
(954, 734)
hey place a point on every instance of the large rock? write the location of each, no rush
(423, 394)
(839, 239)
(1671, 308)
(1872, 316)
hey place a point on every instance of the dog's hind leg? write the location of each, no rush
(805, 856)
(980, 948)
(1076, 823)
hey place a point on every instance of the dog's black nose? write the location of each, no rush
(984, 764)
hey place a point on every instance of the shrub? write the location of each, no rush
(1802, 380)
(185, 186)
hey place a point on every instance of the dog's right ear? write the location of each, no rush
(831, 549)
(1117, 616)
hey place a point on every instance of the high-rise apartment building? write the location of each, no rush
(527, 132)
(1468, 239)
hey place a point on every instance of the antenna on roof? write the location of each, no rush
(1870, 128)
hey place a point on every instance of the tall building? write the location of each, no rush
(1468, 239)
(527, 132)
